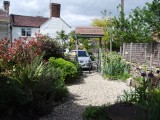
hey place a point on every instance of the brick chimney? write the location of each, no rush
(55, 10)
(6, 6)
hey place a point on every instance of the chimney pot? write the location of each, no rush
(55, 10)
(6, 6)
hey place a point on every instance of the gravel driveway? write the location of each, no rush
(92, 89)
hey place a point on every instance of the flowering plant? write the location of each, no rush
(22, 50)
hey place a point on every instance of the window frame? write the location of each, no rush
(26, 32)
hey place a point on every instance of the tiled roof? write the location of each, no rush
(27, 21)
(95, 31)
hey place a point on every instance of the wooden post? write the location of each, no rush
(151, 58)
(100, 56)
(130, 58)
(145, 52)
(123, 49)
(76, 48)
(136, 53)
(158, 56)
(141, 54)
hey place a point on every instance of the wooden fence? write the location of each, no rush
(148, 53)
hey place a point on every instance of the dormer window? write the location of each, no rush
(26, 32)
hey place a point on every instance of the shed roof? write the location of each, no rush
(89, 31)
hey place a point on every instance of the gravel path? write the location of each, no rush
(92, 89)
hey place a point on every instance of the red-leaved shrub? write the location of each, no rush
(21, 51)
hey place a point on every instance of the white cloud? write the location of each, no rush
(83, 20)
(74, 12)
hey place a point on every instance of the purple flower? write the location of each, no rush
(150, 74)
(143, 74)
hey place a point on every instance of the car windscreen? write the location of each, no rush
(82, 54)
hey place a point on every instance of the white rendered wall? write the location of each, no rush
(53, 25)
(16, 32)
(4, 33)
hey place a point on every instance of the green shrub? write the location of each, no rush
(31, 89)
(69, 70)
(79, 68)
(139, 79)
(11, 95)
(49, 89)
(149, 100)
(115, 67)
(146, 97)
(96, 113)
(138, 96)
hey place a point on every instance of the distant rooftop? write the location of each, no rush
(27, 21)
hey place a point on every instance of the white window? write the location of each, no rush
(26, 31)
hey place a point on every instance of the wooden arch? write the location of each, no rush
(91, 32)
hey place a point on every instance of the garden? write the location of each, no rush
(33, 77)
(35, 74)
(142, 103)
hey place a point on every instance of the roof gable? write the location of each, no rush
(53, 20)
(27, 21)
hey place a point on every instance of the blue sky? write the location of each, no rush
(74, 12)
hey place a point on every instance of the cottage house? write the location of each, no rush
(28, 26)
(25, 26)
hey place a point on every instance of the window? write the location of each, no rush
(82, 54)
(26, 31)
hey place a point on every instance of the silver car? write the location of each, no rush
(84, 59)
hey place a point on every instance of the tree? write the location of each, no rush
(85, 43)
(142, 25)
(106, 24)
(63, 37)
(72, 42)
(132, 28)
(152, 17)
